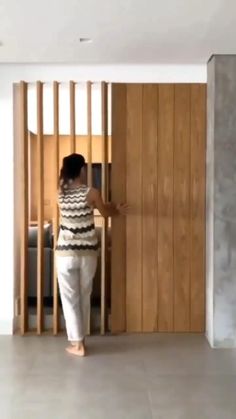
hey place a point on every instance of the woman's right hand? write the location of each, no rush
(122, 209)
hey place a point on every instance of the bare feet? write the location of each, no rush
(78, 350)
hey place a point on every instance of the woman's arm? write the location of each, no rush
(105, 209)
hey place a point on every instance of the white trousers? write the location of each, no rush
(75, 278)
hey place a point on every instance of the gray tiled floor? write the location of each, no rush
(125, 377)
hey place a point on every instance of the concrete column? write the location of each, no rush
(221, 202)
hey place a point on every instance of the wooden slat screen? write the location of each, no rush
(158, 167)
(46, 154)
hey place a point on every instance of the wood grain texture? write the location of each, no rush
(176, 302)
(118, 182)
(104, 238)
(158, 167)
(90, 139)
(134, 219)
(22, 112)
(18, 195)
(197, 204)
(33, 173)
(104, 96)
(56, 324)
(165, 207)
(40, 200)
(182, 209)
(149, 208)
(72, 117)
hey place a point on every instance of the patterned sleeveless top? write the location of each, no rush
(77, 234)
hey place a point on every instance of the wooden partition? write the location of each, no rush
(158, 167)
(158, 252)
(41, 157)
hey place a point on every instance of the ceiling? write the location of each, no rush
(123, 31)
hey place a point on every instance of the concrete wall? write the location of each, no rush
(221, 202)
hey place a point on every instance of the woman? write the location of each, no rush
(77, 247)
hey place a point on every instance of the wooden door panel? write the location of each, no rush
(164, 177)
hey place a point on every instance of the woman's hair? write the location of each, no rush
(71, 169)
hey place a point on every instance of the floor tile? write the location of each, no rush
(151, 376)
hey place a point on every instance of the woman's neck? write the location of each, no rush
(76, 183)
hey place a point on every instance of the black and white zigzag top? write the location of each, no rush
(77, 234)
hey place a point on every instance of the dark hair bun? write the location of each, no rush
(71, 169)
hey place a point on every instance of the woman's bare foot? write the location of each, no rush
(78, 349)
(74, 343)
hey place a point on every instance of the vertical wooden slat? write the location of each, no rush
(89, 129)
(108, 172)
(89, 159)
(182, 209)
(149, 204)
(198, 178)
(56, 324)
(165, 207)
(134, 219)
(40, 169)
(23, 114)
(104, 90)
(104, 252)
(72, 116)
(118, 270)
(30, 186)
(18, 193)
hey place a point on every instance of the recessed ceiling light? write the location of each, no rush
(85, 40)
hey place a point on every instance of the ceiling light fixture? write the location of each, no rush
(85, 40)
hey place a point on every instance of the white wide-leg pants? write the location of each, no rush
(75, 278)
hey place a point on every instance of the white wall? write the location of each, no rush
(32, 72)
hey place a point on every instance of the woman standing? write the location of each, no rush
(77, 247)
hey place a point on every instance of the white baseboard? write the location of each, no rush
(6, 327)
